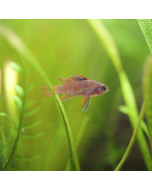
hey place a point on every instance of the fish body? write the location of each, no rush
(77, 85)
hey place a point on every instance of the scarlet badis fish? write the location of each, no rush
(77, 85)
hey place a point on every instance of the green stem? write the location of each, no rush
(11, 119)
(133, 138)
(79, 137)
(3, 152)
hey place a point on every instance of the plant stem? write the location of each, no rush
(133, 138)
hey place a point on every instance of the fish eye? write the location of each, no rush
(104, 88)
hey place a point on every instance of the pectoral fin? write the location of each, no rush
(65, 97)
(85, 103)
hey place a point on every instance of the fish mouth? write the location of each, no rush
(107, 89)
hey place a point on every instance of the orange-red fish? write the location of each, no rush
(77, 85)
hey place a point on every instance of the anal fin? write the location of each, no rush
(85, 103)
(65, 97)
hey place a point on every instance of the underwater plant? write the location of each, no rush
(32, 136)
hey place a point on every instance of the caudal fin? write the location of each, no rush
(46, 91)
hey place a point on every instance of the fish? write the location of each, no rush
(77, 85)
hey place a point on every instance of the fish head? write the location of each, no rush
(101, 89)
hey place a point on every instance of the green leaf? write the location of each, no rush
(147, 86)
(26, 159)
(133, 138)
(10, 118)
(30, 87)
(19, 90)
(33, 136)
(146, 28)
(9, 136)
(16, 67)
(32, 112)
(18, 102)
(79, 136)
(33, 125)
(124, 110)
(29, 103)
(3, 156)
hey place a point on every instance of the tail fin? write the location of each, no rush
(46, 91)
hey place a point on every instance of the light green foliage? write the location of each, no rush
(19, 90)
(124, 110)
(7, 116)
(16, 67)
(19, 103)
(39, 51)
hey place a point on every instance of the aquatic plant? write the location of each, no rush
(32, 136)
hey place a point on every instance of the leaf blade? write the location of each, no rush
(147, 81)
(146, 28)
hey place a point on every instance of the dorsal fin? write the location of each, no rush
(72, 78)
(61, 80)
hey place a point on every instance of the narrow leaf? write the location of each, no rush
(18, 102)
(124, 110)
(29, 103)
(33, 125)
(30, 87)
(10, 118)
(19, 90)
(26, 159)
(16, 67)
(32, 112)
(147, 86)
(33, 136)
(146, 28)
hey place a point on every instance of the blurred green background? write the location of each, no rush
(65, 48)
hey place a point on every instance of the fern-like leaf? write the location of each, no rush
(19, 103)
(33, 136)
(27, 159)
(19, 90)
(33, 125)
(32, 112)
